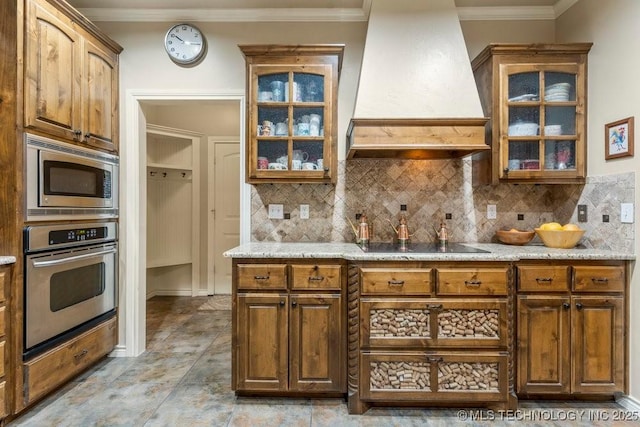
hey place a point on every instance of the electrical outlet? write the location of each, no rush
(582, 213)
(304, 211)
(276, 211)
(626, 212)
(520, 217)
(492, 213)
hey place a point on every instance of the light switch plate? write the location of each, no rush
(276, 211)
(304, 211)
(492, 212)
(626, 212)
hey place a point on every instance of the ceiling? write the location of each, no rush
(296, 10)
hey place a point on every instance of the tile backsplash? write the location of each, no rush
(431, 189)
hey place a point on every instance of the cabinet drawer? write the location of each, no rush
(3, 312)
(435, 376)
(51, 369)
(472, 281)
(315, 276)
(598, 278)
(2, 358)
(541, 278)
(262, 276)
(4, 282)
(406, 281)
(3, 400)
(433, 322)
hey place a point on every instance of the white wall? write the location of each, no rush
(614, 91)
(144, 64)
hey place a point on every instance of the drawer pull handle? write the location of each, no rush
(395, 282)
(80, 355)
(261, 277)
(600, 280)
(316, 278)
(435, 359)
(544, 280)
(473, 283)
(434, 306)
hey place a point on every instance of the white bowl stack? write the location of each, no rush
(523, 129)
(558, 92)
(553, 130)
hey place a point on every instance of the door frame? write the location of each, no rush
(212, 141)
(133, 212)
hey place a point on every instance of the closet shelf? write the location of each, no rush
(169, 166)
(167, 262)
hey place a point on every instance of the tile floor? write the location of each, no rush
(183, 379)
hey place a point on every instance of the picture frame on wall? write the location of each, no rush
(618, 138)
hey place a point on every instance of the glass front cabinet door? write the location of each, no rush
(538, 108)
(292, 113)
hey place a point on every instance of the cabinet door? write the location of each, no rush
(262, 355)
(317, 343)
(542, 125)
(100, 97)
(598, 344)
(53, 60)
(543, 344)
(291, 116)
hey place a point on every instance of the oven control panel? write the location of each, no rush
(77, 235)
(47, 237)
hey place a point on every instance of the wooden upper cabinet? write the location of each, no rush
(101, 101)
(71, 79)
(292, 103)
(536, 97)
(52, 66)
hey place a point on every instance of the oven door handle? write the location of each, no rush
(71, 259)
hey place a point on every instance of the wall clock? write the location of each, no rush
(185, 44)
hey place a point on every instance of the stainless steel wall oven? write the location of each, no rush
(64, 181)
(71, 281)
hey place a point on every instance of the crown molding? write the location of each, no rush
(562, 6)
(99, 14)
(514, 13)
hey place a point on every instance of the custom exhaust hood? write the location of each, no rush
(417, 96)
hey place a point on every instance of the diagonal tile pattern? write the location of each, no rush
(190, 385)
(431, 189)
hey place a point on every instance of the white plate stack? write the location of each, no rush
(558, 92)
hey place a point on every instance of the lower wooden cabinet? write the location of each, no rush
(292, 341)
(424, 333)
(573, 341)
(49, 370)
(434, 376)
(5, 281)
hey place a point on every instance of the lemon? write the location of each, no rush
(570, 227)
(551, 226)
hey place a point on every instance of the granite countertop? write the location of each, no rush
(352, 252)
(7, 260)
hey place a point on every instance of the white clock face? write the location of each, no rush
(185, 44)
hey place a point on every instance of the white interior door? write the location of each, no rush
(224, 211)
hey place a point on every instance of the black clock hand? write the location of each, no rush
(178, 38)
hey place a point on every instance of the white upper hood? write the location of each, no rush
(417, 96)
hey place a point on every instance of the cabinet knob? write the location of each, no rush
(579, 306)
(566, 305)
(294, 303)
(281, 303)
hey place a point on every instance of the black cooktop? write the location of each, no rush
(418, 248)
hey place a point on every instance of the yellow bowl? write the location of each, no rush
(515, 237)
(563, 239)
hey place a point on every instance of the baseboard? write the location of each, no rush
(118, 351)
(170, 293)
(629, 403)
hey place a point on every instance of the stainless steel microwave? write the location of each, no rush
(65, 181)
